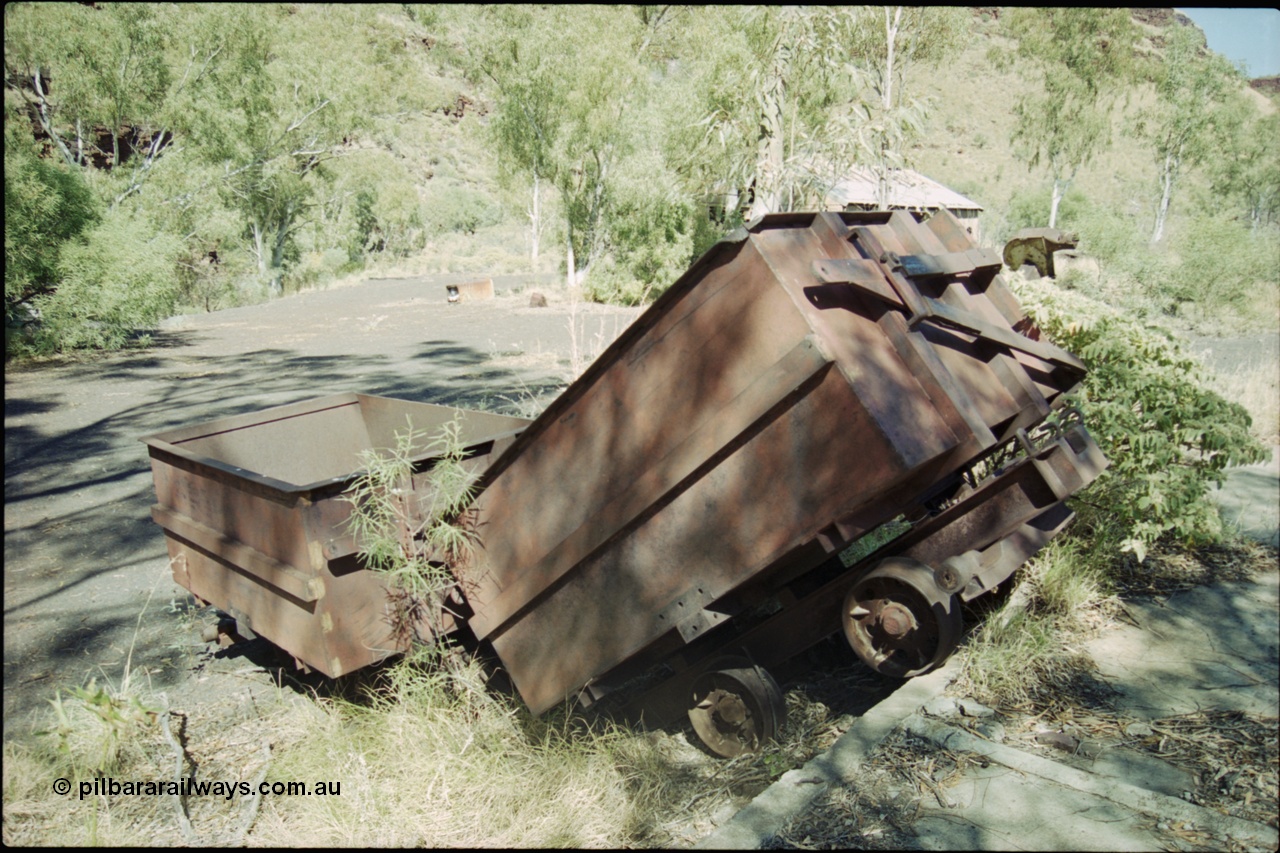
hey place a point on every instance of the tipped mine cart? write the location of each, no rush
(674, 523)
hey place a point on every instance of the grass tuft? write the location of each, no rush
(1027, 648)
(433, 759)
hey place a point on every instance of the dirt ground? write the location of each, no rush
(87, 588)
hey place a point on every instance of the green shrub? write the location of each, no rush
(1168, 437)
(1109, 235)
(46, 206)
(1207, 266)
(413, 539)
(653, 237)
(121, 277)
(457, 207)
(612, 283)
(1224, 266)
(1030, 209)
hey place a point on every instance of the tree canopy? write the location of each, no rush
(1083, 56)
(238, 151)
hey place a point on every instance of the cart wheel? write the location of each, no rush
(737, 708)
(898, 620)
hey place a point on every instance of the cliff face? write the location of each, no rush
(1269, 86)
(1161, 17)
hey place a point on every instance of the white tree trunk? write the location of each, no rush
(882, 170)
(535, 221)
(259, 250)
(890, 39)
(1059, 190)
(1167, 176)
(570, 263)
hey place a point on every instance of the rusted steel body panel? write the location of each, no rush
(254, 521)
(795, 389)
(997, 526)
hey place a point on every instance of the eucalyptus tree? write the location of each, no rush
(88, 114)
(887, 41)
(568, 82)
(100, 84)
(292, 88)
(46, 205)
(1083, 56)
(771, 82)
(1244, 170)
(1187, 122)
(791, 97)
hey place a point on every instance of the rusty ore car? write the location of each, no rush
(674, 522)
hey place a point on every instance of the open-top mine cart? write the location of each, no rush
(675, 519)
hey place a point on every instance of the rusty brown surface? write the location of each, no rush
(1003, 522)
(470, 291)
(1036, 247)
(813, 379)
(255, 522)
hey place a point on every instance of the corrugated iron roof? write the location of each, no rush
(907, 189)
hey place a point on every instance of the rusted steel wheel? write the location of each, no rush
(898, 620)
(737, 708)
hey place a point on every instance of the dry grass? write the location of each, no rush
(1231, 755)
(1027, 647)
(877, 812)
(434, 773)
(442, 762)
(1257, 388)
(212, 749)
(429, 756)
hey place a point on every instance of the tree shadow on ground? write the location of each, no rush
(78, 489)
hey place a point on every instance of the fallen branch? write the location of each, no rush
(256, 803)
(180, 758)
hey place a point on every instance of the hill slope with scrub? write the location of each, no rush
(168, 159)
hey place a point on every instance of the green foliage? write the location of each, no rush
(651, 239)
(110, 67)
(1082, 54)
(412, 544)
(885, 43)
(928, 35)
(120, 276)
(1167, 436)
(772, 86)
(573, 136)
(455, 207)
(1026, 210)
(46, 206)
(1112, 236)
(1187, 123)
(1209, 266)
(1226, 267)
(93, 732)
(235, 127)
(1246, 175)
